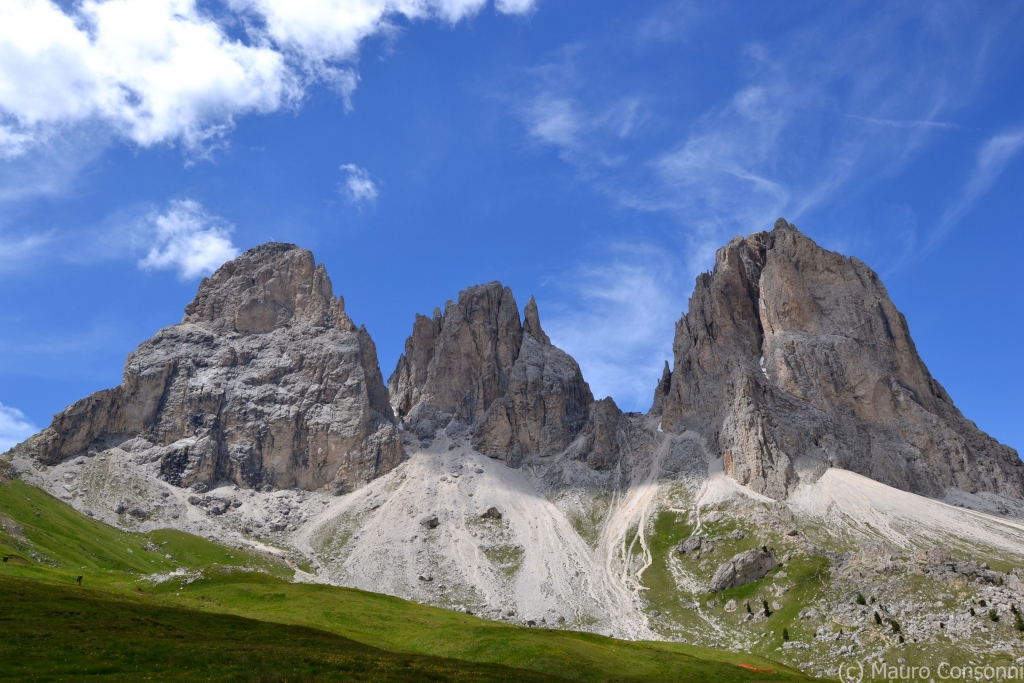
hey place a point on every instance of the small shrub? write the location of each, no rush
(748, 609)
(878, 618)
(767, 612)
(973, 613)
(861, 600)
(901, 639)
(895, 627)
(993, 615)
(982, 603)
(872, 599)
(785, 635)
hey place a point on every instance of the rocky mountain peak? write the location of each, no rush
(793, 359)
(790, 360)
(265, 382)
(457, 363)
(269, 286)
(479, 369)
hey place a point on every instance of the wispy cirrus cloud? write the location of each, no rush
(895, 123)
(811, 115)
(584, 134)
(829, 103)
(15, 251)
(616, 317)
(990, 161)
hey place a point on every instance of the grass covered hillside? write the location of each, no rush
(171, 606)
(58, 632)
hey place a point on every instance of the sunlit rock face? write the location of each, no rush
(265, 382)
(792, 359)
(479, 369)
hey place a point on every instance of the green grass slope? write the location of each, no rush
(55, 632)
(230, 597)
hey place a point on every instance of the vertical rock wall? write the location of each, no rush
(792, 359)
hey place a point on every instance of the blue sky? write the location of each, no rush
(593, 154)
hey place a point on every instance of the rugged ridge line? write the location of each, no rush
(793, 359)
(265, 382)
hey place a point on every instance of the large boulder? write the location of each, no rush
(266, 381)
(792, 359)
(744, 568)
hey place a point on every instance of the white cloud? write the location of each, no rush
(14, 144)
(17, 250)
(815, 116)
(892, 123)
(990, 161)
(554, 121)
(330, 30)
(188, 239)
(582, 138)
(357, 188)
(617, 319)
(14, 427)
(722, 177)
(161, 71)
(514, 6)
(157, 71)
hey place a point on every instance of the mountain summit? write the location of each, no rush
(793, 359)
(477, 368)
(265, 382)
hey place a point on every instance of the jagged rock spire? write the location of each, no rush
(661, 391)
(531, 324)
(503, 381)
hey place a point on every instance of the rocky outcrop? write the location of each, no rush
(265, 382)
(544, 408)
(603, 438)
(459, 362)
(744, 568)
(476, 368)
(792, 359)
(689, 544)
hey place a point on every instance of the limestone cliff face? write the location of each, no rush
(457, 364)
(266, 381)
(792, 359)
(477, 368)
